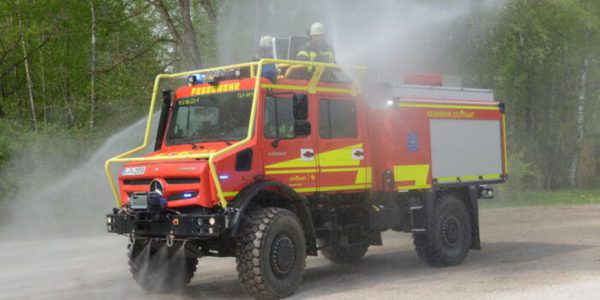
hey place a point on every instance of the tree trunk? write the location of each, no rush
(190, 43)
(66, 85)
(43, 81)
(93, 68)
(186, 42)
(28, 76)
(581, 99)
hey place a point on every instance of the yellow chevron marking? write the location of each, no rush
(363, 176)
(416, 173)
(341, 157)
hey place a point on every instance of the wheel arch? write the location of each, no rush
(266, 193)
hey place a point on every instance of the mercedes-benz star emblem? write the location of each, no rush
(156, 186)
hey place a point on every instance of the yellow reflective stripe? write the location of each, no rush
(468, 178)
(448, 106)
(504, 146)
(293, 163)
(305, 88)
(229, 194)
(302, 53)
(339, 170)
(416, 173)
(414, 187)
(364, 175)
(341, 157)
(343, 187)
(291, 171)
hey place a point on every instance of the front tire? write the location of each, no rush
(158, 268)
(270, 253)
(448, 238)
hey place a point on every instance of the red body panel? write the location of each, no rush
(389, 139)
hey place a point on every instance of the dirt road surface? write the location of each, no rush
(528, 253)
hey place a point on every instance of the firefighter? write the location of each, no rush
(265, 50)
(265, 47)
(317, 49)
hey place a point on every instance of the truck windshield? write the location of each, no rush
(217, 117)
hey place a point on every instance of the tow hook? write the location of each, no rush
(170, 239)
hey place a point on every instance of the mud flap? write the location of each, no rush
(474, 212)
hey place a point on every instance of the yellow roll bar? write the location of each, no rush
(255, 68)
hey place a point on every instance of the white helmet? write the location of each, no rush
(266, 41)
(317, 28)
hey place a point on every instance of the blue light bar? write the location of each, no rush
(188, 195)
(196, 79)
(224, 177)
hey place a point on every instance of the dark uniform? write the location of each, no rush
(314, 53)
(310, 52)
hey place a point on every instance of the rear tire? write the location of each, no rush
(447, 240)
(160, 270)
(270, 253)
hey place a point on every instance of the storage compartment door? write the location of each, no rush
(466, 150)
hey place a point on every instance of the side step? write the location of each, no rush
(417, 218)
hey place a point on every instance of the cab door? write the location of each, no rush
(289, 159)
(342, 157)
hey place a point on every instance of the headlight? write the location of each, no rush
(212, 221)
(108, 219)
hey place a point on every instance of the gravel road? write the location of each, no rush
(528, 253)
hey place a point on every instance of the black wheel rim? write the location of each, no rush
(283, 255)
(451, 231)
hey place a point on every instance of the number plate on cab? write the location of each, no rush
(133, 171)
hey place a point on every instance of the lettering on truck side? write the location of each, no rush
(213, 89)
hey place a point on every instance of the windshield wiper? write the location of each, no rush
(188, 141)
(220, 140)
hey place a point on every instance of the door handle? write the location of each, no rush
(359, 153)
(308, 154)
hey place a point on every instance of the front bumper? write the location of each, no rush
(179, 226)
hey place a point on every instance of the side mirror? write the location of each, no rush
(300, 102)
(301, 128)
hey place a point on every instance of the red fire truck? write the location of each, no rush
(274, 160)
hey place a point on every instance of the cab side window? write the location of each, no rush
(337, 119)
(279, 118)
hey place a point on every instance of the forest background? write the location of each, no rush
(73, 73)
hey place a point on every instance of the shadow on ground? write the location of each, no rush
(403, 267)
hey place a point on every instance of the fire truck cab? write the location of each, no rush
(270, 169)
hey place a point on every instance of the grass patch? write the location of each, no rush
(543, 198)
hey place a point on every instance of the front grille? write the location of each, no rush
(182, 180)
(137, 181)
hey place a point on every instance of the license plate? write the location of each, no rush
(133, 171)
(138, 202)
